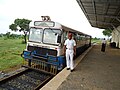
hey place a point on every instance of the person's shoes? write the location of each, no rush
(68, 68)
(72, 70)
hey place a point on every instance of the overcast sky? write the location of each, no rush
(66, 12)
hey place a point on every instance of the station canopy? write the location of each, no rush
(103, 14)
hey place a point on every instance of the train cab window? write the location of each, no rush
(35, 34)
(51, 36)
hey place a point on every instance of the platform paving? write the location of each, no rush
(97, 71)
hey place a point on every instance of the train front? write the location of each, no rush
(44, 44)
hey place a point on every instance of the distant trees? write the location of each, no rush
(107, 32)
(95, 38)
(9, 35)
(21, 25)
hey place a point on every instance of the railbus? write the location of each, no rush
(44, 49)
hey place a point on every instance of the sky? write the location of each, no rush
(66, 12)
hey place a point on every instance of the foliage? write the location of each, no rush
(10, 53)
(96, 40)
(21, 25)
(107, 32)
(8, 35)
(13, 27)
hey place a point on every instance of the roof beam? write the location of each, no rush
(110, 28)
(101, 22)
(81, 5)
(107, 16)
(94, 8)
(115, 28)
(103, 2)
(117, 15)
(101, 13)
(83, 9)
(118, 19)
(106, 10)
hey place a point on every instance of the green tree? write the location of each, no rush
(107, 32)
(21, 25)
(8, 34)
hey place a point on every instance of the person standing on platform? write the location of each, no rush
(70, 51)
(103, 45)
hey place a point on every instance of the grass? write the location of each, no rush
(10, 53)
(98, 41)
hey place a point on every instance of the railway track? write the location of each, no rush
(28, 79)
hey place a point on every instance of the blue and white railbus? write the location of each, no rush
(46, 39)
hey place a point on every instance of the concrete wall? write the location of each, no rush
(116, 36)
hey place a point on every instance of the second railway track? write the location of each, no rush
(28, 79)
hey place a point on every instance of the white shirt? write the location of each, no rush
(104, 41)
(70, 43)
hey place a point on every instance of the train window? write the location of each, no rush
(78, 37)
(36, 34)
(51, 35)
(82, 37)
(44, 24)
(59, 39)
(65, 35)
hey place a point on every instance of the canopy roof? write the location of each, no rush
(104, 14)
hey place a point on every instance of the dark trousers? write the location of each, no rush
(103, 47)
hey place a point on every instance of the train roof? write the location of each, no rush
(52, 24)
(73, 30)
(69, 29)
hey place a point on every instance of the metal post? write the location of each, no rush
(118, 19)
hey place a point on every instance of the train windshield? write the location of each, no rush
(51, 35)
(36, 34)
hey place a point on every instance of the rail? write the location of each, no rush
(28, 79)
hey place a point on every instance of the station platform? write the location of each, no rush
(94, 70)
